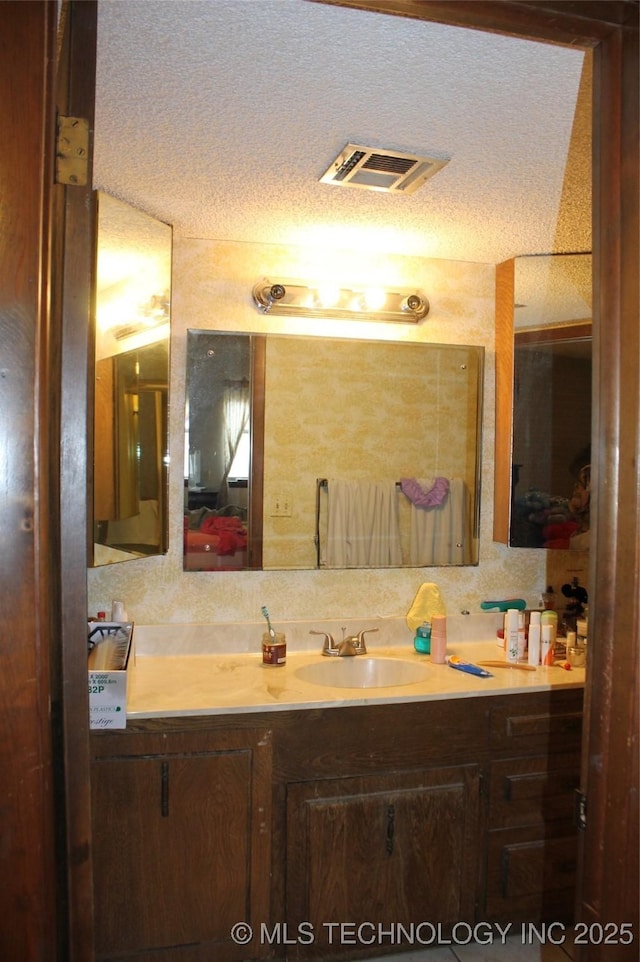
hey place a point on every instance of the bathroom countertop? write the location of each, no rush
(212, 684)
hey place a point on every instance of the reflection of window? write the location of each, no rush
(239, 469)
(236, 410)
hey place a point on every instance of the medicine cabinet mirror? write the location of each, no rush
(133, 297)
(290, 440)
(543, 401)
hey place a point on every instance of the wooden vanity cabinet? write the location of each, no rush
(444, 811)
(181, 835)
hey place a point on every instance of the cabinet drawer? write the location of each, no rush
(540, 722)
(533, 790)
(532, 877)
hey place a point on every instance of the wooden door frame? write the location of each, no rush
(43, 620)
(47, 61)
(28, 529)
(73, 258)
(608, 876)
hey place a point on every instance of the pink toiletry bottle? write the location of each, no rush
(438, 639)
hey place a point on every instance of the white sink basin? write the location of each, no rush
(360, 672)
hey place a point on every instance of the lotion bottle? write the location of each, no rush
(522, 636)
(511, 635)
(534, 638)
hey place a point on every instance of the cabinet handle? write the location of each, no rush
(164, 789)
(391, 827)
(505, 874)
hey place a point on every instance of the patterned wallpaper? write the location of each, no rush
(385, 411)
(212, 290)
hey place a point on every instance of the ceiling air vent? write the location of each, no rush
(386, 170)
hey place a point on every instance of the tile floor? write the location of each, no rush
(513, 948)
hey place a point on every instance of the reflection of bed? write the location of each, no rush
(215, 540)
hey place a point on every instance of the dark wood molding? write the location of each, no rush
(609, 877)
(547, 335)
(256, 495)
(502, 479)
(580, 22)
(73, 271)
(28, 529)
(43, 630)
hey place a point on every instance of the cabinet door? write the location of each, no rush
(381, 850)
(181, 850)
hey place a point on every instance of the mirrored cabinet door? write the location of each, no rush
(543, 402)
(131, 395)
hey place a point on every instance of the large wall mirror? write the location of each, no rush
(313, 452)
(544, 398)
(133, 298)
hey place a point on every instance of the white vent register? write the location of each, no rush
(385, 170)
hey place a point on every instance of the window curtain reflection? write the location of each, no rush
(235, 408)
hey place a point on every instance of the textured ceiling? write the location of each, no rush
(219, 117)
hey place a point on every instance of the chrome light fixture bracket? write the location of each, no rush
(296, 299)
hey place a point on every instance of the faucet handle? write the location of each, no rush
(362, 648)
(329, 646)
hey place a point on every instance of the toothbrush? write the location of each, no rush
(269, 626)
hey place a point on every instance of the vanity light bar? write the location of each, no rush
(151, 315)
(356, 303)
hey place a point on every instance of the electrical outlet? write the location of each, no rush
(281, 506)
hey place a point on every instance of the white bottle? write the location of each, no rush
(534, 638)
(522, 636)
(550, 618)
(512, 634)
(547, 644)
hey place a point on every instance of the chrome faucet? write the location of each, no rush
(352, 645)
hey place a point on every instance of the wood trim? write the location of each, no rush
(547, 335)
(28, 908)
(502, 486)
(609, 876)
(574, 22)
(611, 888)
(73, 271)
(256, 492)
